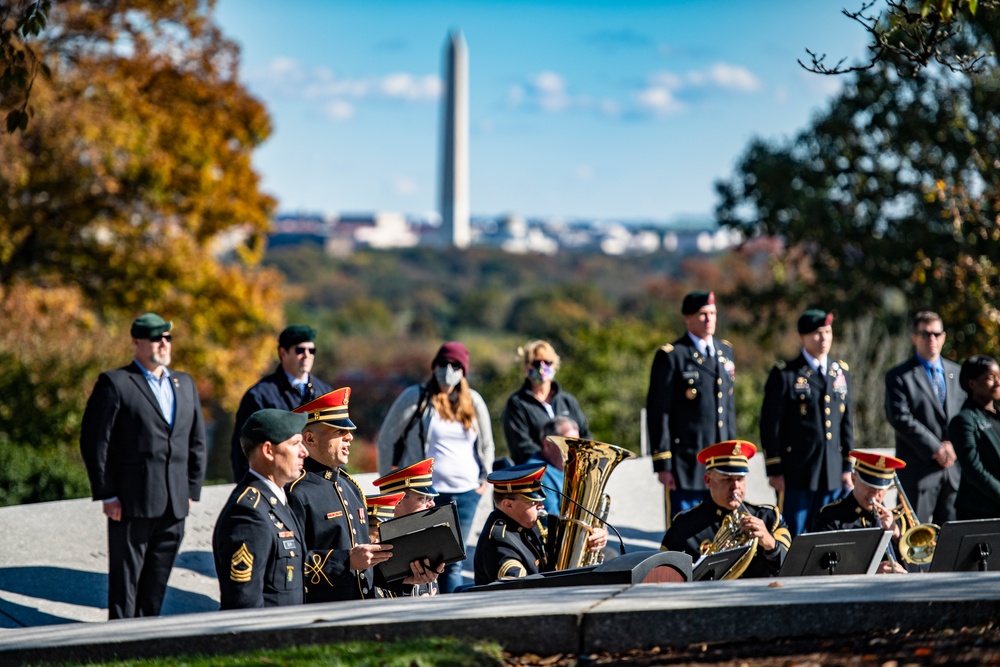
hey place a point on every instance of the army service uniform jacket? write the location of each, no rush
(689, 406)
(508, 550)
(258, 549)
(331, 508)
(807, 425)
(844, 514)
(693, 530)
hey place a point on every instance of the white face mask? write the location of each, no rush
(447, 376)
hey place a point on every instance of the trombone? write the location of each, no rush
(917, 541)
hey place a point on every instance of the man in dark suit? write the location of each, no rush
(143, 441)
(807, 425)
(289, 386)
(922, 394)
(690, 403)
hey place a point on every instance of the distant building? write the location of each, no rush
(454, 183)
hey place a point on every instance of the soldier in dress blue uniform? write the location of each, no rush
(690, 403)
(863, 508)
(807, 425)
(332, 507)
(512, 543)
(381, 507)
(258, 544)
(726, 467)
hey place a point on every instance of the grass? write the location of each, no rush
(427, 652)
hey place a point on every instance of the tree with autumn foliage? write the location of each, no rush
(132, 190)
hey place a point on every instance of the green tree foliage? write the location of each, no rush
(894, 190)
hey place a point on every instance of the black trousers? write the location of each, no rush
(933, 498)
(141, 553)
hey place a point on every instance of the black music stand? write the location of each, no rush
(836, 552)
(434, 534)
(967, 546)
(714, 566)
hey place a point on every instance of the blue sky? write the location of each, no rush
(626, 109)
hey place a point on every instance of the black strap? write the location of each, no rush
(397, 452)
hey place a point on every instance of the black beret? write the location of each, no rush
(272, 425)
(295, 334)
(813, 319)
(695, 301)
(149, 325)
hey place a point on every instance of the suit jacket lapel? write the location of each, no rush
(140, 381)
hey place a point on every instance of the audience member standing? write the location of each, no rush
(143, 442)
(288, 387)
(922, 394)
(975, 433)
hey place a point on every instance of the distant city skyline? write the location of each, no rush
(625, 110)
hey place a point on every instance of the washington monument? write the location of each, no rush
(455, 144)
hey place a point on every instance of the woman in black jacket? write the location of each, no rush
(975, 435)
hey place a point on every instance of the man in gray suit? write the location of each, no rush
(922, 394)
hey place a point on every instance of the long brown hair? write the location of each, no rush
(455, 406)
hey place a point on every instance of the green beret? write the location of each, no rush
(695, 301)
(149, 325)
(813, 319)
(295, 334)
(272, 425)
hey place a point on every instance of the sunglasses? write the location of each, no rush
(538, 363)
(156, 339)
(926, 335)
(302, 349)
(455, 366)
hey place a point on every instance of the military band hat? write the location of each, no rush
(149, 325)
(876, 470)
(523, 479)
(695, 301)
(381, 507)
(416, 477)
(330, 408)
(272, 425)
(731, 457)
(813, 319)
(295, 334)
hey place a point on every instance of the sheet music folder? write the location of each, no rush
(434, 534)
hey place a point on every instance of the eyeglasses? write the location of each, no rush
(302, 349)
(538, 363)
(156, 339)
(453, 364)
(926, 335)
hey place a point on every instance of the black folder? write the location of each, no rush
(434, 534)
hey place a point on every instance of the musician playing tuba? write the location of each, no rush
(697, 531)
(511, 544)
(864, 508)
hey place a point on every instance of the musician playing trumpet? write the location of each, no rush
(863, 508)
(695, 531)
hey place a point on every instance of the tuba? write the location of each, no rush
(588, 466)
(917, 541)
(731, 536)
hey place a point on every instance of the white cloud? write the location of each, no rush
(549, 89)
(732, 77)
(404, 185)
(339, 96)
(338, 110)
(658, 100)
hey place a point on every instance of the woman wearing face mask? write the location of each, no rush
(975, 435)
(446, 420)
(538, 400)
